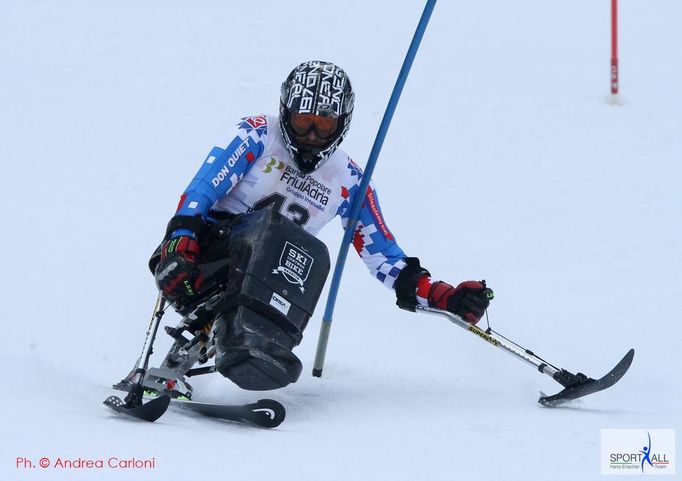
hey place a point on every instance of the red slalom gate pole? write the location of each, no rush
(614, 48)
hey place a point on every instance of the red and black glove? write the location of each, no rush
(468, 300)
(177, 274)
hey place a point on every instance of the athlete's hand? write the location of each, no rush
(468, 300)
(177, 274)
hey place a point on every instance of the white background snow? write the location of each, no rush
(503, 162)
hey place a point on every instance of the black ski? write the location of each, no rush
(266, 413)
(582, 385)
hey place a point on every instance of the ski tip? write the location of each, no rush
(590, 386)
(268, 413)
(150, 411)
(627, 359)
(622, 366)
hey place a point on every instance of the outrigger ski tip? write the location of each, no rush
(579, 385)
(149, 411)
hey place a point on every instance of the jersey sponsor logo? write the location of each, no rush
(225, 171)
(273, 164)
(310, 189)
(238, 152)
(294, 265)
(376, 213)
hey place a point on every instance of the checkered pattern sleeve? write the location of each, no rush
(372, 240)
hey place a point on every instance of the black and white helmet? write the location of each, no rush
(315, 109)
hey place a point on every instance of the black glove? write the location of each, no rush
(468, 300)
(177, 274)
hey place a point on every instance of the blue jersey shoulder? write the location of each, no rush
(224, 168)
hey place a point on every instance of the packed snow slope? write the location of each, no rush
(504, 162)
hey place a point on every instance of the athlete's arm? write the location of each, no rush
(372, 239)
(222, 170)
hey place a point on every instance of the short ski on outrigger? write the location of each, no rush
(132, 404)
(575, 385)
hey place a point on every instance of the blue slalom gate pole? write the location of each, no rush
(326, 326)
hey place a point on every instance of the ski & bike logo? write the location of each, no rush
(638, 451)
(294, 265)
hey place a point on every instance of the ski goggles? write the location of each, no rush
(303, 124)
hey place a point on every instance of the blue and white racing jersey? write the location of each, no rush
(256, 171)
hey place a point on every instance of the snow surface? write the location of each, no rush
(504, 162)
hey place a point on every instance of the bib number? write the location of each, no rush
(300, 214)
